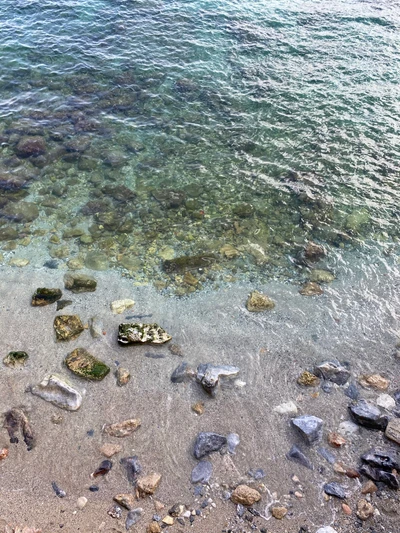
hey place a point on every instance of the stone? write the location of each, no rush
(96, 327)
(132, 333)
(18, 262)
(132, 468)
(364, 510)
(334, 489)
(175, 349)
(386, 401)
(352, 392)
(119, 306)
(168, 198)
(310, 427)
(279, 512)
(31, 147)
(295, 454)
(122, 429)
(392, 431)
(202, 472)
(190, 280)
(63, 303)
(243, 210)
(374, 381)
(182, 373)
(229, 251)
(15, 420)
(335, 440)
(43, 296)
(332, 371)
(327, 455)
(21, 212)
(108, 449)
(125, 500)
(198, 408)
(123, 376)
(288, 408)
(208, 375)
(85, 365)
(307, 379)
(168, 520)
(67, 327)
(153, 527)
(314, 252)
(16, 359)
(326, 529)
(257, 302)
(389, 478)
(58, 391)
(311, 289)
(321, 276)
(208, 442)
(8, 234)
(115, 512)
(369, 487)
(348, 428)
(346, 509)
(367, 415)
(147, 485)
(3, 453)
(233, 441)
(382, 459)
(245, 495)
(78, 283)
(185, 263)
(81, 502)
(133, 517)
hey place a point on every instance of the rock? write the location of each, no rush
(8, 234)
(31, 147)
(258, 302)
(18, 262)
(175, 349)
(119, 306)
(383, 476)
(67, 327)
(3, 453)
(96, 261)
(122, 429)
(369, 487)
(86, 366)
(115, 512)
(123, 376)
(348, 428)
(314, 252)
(103, 469)
(182, 373)
(21, 212)
(108, 449)
(367, 415)
(392, 431)
(296, 455)
(63, 303)
(153, 527)
(326, 529)
(59, 392)
(245, 495)
(307, 379)
(207, 442)
(279, 512)
(229, 251)
(198, 408)
(321, 276)
(133, 517)
(257, 473)
(243, 210)
(96, 327)
(310, 427)
(168, 520)
(147, 485)
(289, 408)
(364, 510)
(202, 472)
(311, 289)
(382, 459)
(16, 359)
(332, 371)
(169, 198)
(233, 441)
(335, 440)
(190, 280)
(184, 263)
(59, 492)
(208, 375)
(45, 296)
(77, 283)
(81, 502)
(352, 392)
(334, 489)
(125, 500)
(15, 420)
(346, 509)
(386, 401)
(374, 381)
(132, 467)
(327, 455)
(130, 333)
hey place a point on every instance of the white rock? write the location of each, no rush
(386, 401)
(119, 306)
(59, 391)
(326, 529)
(81, 502)
(288, 408)
(348, 428)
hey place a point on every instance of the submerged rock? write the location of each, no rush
(16, 359)
(311, 288)
(130, 333)
(119, 306)
(31, 146)
(334, 489)
(207, 442)
(122, 429)
(77, 283)
(202, 472)
(374, 381)
(296, 455)
(310, 427)
(45, 296)
(332, 371)
(132, 467)
(133, 517)
(314, 252)
(258, 302)
(67, 327)
(15, 420)
(208, 375)
(123, 376)
(182, 373)
(245, 495)
(393, 430)
(86, 366)
(147, 485)
(321, 276)
(59, 392)
(96, 327)
(368, 415)
(21, 212)
(169, 198)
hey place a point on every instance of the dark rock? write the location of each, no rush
(132, 467)
(233, 441)
(94, 207)
(182, 373)
(352, 392)
(11, 182)
(332, 371)
(63, 303)
(77, 145)
(115, 159)
(8, 234)
(243, 210)
(383, 459)
(120, 193)
(202, 472)
(16, 359)
(310, 427)
(327, 387)
(296, 455)
(334, 489)
(21, 212)
(31, 147)
(67, 327)
(15, 420)
(169, 198)
(368, 415)
(79, 282)
(240, 510)
(85, 365)
(94, 488)
(59, 492)
(396, 396)
(137, 333)
(314, 252)
(208, 375)
(207, 442)
(388, 478)
(103, 469)
(189, 262)
(43, 296)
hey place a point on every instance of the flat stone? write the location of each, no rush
(122, 429)
(86, 366)
(123, 376)
(295, 454)
(392, 431)
(78, 283)
(307, 379)
(115, 512)
(208, 442)
(310, 427)
(67, 327)
(133, 517)
(59, 392)
(126, 500)
(208, 375)
(311, 289)
(245, 495)
(374, 381)
(386, 401)
(108, 449)
(119, 306)
(168, 520)
(334, 489)
(147, 485)
(368, 415)
(184, 263)
(16, 359)
(202, 472)
(364, 510)
(332, 371)
(43, 296)
(19, 262)
(288, 408)
(258, 302)
(133, 333)
(327, 455)
(153, 527)
(335, 440)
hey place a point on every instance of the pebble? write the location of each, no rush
(327, 455)
(352, 392)
(119, 306)
(257, 302)
(59, 492)
(133, 517)
(77, 282)
(59, 391)
(115, 512)
(245, 495)
(335, 440)
(182, 373)
(202, 472)
(147, 485)
(94, 488)
(138, 333)
(125, 500)
(19, 262)
(393, 430)
(346, 509)
(369, 487)
(233, 441)
(307, 379)
(175, 349)
(279, 512)
(311, 288)
(256, 474)
(364, 510)
(108, 449)
(81, 502)
(295, 454)
(386, 401)
(123, 376)
(368, 415)
(133, 468)
(334, 489)
(153, 527)
(67, 327)
(348, 428)
(3, 453)
(122, 429)
(208, 375)
(310, 427)
(103, 469)
(198, 408)
(326, 529)
(168, 520)
(207, 442)
(374, 381)
(332, 371)
(96, 327)
(288, 408)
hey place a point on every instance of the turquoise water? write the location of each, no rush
(188, 126)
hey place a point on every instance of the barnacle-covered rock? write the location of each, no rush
(142, 333)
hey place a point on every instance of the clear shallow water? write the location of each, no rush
(183, 123)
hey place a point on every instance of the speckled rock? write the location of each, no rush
(123, 376)
(208, 442)
(374, 381)
(122, 429)
(77, 282)
(43, 296)
(108, 449)
(307, 379)
(16, 359)
(133, 333)
(365, 510)
(258, 302)
(67, 327)
(245, 495)
(279, 512)
(86, 366)
(59, 392)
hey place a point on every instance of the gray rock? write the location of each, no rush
(368, 415)
(334, 489)
(133, 517)
(96, 327)
(332, 371)
(352, 392)
(59, 391)
(327, 455)
(133, 468)
(202, 472)
(256, 474)
(207, 442)
(310, 427)
(208, 375)
(296, 455)
(233, 440)
(383, 459)
(182, 373)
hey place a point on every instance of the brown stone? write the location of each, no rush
(307, 379)
(3, 453)
(123, 429)
(189, 279)
(258, 302)
(158, 506)
(68, 327)
(147, 485)
(314, 251)
(374, 381)
(335, 440)
(245, 495)
(123, 376)
(346, 509)
(154, 527)
(369, 487)
(364, 510)
(198, 408)
(393, 430)
(311, 288)
(31, 146)
(352, 473)
(279, 512)
(126, 500)
(109, 449)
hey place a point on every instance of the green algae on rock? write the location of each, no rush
(67, 327)
(79, 282)
(188, 262)
(85, 365)
(43, 296)
(131, 333)
(258, 302)
(321, 276)
(16, 359)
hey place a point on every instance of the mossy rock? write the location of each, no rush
(86, 366)
(79, 282)
(67, 327)
(133, 333)
(43, 296)
(258, 302)
(16, 359)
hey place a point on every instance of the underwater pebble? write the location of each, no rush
(119, 306)
(81, 502)
(122, 429)
(202, 472)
